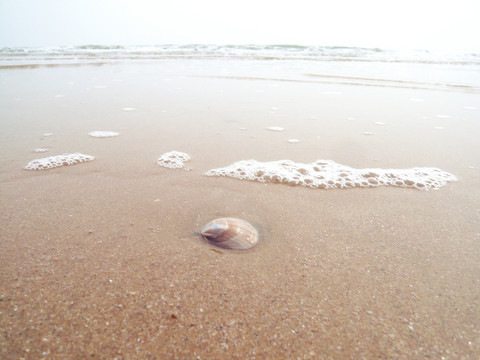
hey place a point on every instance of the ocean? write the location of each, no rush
(344, 65)
(84, 53)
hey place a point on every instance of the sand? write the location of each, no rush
(101, 259)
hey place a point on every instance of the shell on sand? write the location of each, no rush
(230, 233)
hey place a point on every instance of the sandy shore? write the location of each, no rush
(100, 259)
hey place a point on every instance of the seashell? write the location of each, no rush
(230, 233)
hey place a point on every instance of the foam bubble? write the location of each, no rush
(173, 160)
(293, 141)
(39, 150)
(103, 134)
(275, 128)
(327, 174)
(128, 109)
(47, 134)
(57, 161)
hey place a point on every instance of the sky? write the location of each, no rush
(448, 26)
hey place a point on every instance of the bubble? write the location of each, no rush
(327, 174)
(57, 161)
(173, 159)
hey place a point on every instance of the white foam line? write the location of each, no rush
(327, 174)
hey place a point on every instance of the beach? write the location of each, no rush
(102, 259)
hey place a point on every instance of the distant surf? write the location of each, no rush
(18, 56)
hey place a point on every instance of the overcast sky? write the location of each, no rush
(439, 25)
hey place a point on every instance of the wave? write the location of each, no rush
(90, 52)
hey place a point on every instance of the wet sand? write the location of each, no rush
(100, 259)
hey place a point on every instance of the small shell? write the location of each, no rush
(230, 233)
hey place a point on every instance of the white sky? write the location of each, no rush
(439, 25)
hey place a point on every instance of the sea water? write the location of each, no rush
(338, 67)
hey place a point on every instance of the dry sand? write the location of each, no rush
(100, 259)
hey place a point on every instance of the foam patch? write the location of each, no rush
(57, 161)
(327, 174)
(103, 134)
(38, 150)
(173, 160)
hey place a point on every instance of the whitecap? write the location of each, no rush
(275, 128)
(293, 141)
(327, 174)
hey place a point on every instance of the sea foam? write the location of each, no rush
(57, 161)
(173, 159)
(103, 134)
(327, 174)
